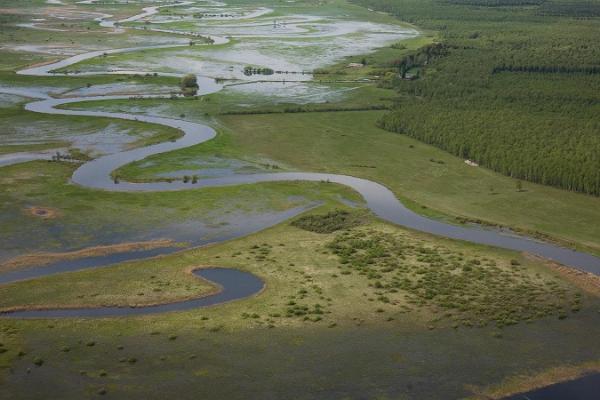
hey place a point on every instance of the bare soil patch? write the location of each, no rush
(43, 212)
(586, 281)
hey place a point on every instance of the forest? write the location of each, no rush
(516, 87)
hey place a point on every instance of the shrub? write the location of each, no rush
(328, 223)
(189, 85)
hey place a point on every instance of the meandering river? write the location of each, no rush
(380, 200)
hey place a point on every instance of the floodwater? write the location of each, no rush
(584, 388)
(18, 158)
(285, 49)
(194, 233)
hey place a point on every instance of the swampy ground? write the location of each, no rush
(353, 307)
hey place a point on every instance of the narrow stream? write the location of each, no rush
(232, 284)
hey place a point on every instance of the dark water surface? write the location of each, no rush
(235, 229)
(584, 388)
(380, 200)
(233, 284)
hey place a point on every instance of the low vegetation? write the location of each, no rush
(318, 263)
(459, 289)
(330, 222)
(189, 85)
(341, 286)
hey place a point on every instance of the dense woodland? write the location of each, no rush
(512, 84)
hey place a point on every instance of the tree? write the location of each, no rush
(189, 85)
(519, 185)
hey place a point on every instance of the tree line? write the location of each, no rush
(547, 69)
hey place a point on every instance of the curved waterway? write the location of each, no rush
(379, 199)
(233, 285)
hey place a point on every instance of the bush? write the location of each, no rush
(189, 81)
(189, 85)
(330, 222)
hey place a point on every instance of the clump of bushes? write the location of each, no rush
(467, 291)
(249, 71)
(330, 222)
(189, 85)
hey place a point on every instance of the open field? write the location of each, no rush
(419, 173)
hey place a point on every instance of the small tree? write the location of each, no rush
(189, 85)
(519, 185)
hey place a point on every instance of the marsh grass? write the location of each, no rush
(328, 223)
(455, 289)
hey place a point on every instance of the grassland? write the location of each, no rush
(311, 281)
(348, 143)
(58, 85)
(428, 180)
(388, 271)
(41, 44)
